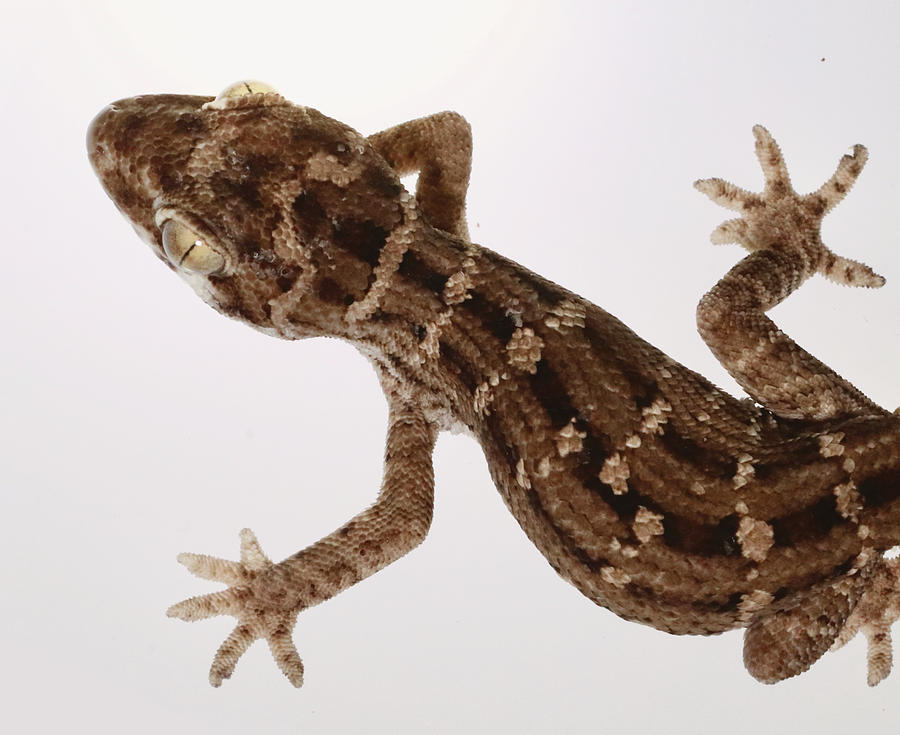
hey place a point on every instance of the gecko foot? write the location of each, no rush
(876, 611)
(257, 617)
(780, 219)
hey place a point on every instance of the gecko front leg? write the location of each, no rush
(266, 598)
(439, 147)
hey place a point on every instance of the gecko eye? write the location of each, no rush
(187, 250)
(240, 89)
(236, 95)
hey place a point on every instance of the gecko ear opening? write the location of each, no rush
(188, 250)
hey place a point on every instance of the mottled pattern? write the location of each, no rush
(657, 495)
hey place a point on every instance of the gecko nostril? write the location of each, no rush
(95, 132)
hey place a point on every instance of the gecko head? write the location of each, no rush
(274, 213)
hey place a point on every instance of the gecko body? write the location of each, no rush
(653, 492)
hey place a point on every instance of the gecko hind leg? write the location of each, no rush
(781, 229)
(785, 642)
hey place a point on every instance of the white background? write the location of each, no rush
(137, 423)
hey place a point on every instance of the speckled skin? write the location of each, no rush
(656, 494)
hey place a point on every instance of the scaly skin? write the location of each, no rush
(656, 494)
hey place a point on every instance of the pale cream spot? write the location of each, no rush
(849, 465)
(633, 441)
(654, 416)
(521, 475)
(755, 537)
(482, 399)
(863, 532)
(629, 552)
(569, 439)
(431, 345)
(615, 577)
(752, 603)
(848, 501)
(647, 524)
(513, 314)
(741, 508)
(524, 350)
(701, 416)
(865, 556)
(456, 290)
(325, 167)
(744, 472)
(395, 247)
(698, 489)
(830, 444)
(458, 287)
(543, 469)
(567, 313)
(752, 574)
(614, 473)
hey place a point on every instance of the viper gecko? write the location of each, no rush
(656, 494)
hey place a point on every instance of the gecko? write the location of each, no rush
(656, 494)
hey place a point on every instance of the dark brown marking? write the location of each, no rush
(712, 539)
(466, 374)
(331, 292)
(413, 269)
(881, 489)
(686, 450)
(226, 187)
(552, 395)
(490, 315)
(309, 214)
(361, 238)
(807, 524)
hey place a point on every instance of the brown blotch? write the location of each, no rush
(330, 292)
(361, 238)
(190, 123)
(285, 280)
(807, 524)
(381, 182)
(551, 394)
(686, 536)
(880, 489)
(225, 186)
(413, 269)
(458, 366)
(685, 449)
(310, 214)
(489, 314)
